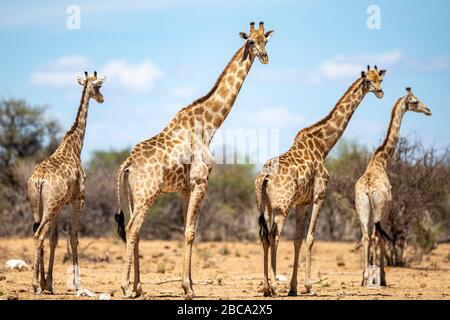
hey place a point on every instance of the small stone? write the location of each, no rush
(13, 297)
(423, 285)
(2, 277)
(104, 296)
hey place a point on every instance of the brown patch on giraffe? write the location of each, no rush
(217, 121)
(223, 92)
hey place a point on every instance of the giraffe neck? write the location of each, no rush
(328, 131)
(74, 138)
(385, 152)
(211, 110)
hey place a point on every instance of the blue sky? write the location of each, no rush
(159, 56)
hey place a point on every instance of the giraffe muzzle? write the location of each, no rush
(264, 58)
(379, 94)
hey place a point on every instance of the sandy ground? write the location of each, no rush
(223, 271)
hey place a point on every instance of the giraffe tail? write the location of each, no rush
(383, 234)
(119, 216)
(38, 214)
(379, 230)
(263, 229)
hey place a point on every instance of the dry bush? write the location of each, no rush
(420, 211)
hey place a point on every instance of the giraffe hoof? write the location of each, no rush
(306, 289)
(189, 296)
(268, 293)
(292, 293)
(37, 290)
(138, 291)
(127, 294)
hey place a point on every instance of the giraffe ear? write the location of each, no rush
(81, 81)
(382, 72)
(269, 34)
(243, 35)
(99, 81)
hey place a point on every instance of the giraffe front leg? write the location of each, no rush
(196, 198)
(320, 184)
(300, 213)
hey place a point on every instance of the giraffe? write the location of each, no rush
(373, 190)
(178, 160)
(299, 177)
(57, 181)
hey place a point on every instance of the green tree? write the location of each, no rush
(25, 132)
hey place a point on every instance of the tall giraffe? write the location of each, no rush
(373, 190)
(57, 181)
(298, 177)
(178, 159)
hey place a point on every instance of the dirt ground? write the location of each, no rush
(223, 271)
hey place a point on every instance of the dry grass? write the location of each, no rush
(225, 271)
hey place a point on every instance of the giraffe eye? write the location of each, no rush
(251, 42)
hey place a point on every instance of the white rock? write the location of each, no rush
(85, 293)
(104, 296)
(281, 278)
(16, 264)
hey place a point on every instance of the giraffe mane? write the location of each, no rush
(386, 139)
(75, 124)
(351, 89)
(216, 85)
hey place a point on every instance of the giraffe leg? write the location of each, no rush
(42, 277)
(266, 287)
(274, 237)
(137, 287)
(382, 262)
(197, 195)
(132, 247)
(53, 243)
(38, 274)
(364, 211)
(366, 242)
(77, 207)
(310, 242)
(300, 213)
(185, 195)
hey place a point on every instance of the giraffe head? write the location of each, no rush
(372, 81)
(93, 85)
(255, 42)
(414, 104)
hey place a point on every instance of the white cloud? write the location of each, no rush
(347, 66)
(276, 118)
(434, 64)
(120, 73)
(139, 77)
(61, 73)
(333, 69)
